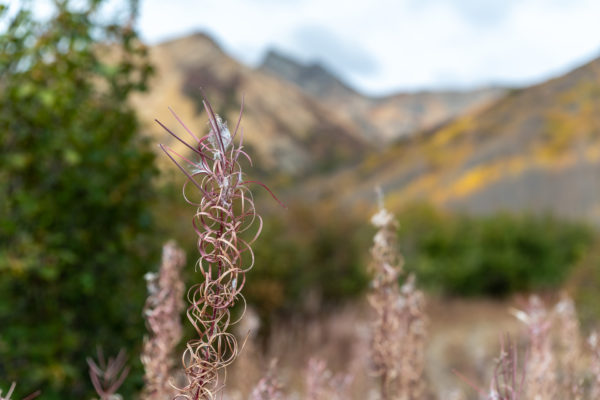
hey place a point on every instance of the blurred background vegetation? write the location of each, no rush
(76, 231)
(84, 214)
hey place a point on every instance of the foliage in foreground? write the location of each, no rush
(74, 183)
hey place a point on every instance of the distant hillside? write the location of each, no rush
(537, 149)
(534, 149)
(385, 118)
(286, 129)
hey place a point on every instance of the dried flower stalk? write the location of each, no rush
(162, 313)
(569, 348)
(225, 210)
(412, 359)
(399, 330)
(541, 367)
(508, 382)
(107, 376)
(508, 379)
(386, 268)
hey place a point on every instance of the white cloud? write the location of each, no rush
(397, 44)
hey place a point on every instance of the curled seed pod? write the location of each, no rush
(224, 210)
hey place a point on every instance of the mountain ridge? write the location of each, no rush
(386, 118)
(289, 132)
(293, 131)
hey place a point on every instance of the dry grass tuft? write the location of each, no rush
(508, 379)
(541, 367)
(508, 382)
(322, 384)
(269, 387)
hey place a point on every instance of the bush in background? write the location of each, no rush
(75, 186)
(307, 256)
(490, 255)
(584, 285)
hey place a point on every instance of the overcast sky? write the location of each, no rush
(381, 46)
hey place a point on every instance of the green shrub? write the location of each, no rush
(493, 255)
(307, 250)
(75, 186)
(304, 252)
(584, 286)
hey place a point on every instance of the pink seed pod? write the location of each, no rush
(224, 211)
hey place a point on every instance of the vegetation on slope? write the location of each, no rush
(535, 150)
